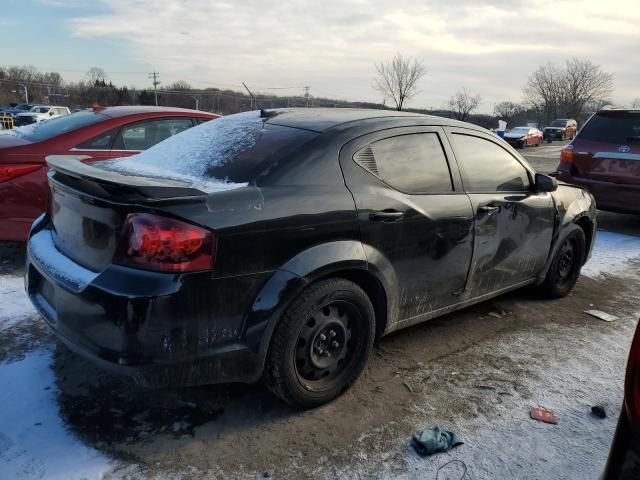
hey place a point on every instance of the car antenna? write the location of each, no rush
(263, 112)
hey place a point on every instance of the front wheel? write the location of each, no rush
(565, 267)
(321, 345)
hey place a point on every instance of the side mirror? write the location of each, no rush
(51, 114)
(545, 183)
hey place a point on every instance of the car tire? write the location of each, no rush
(321, 344)
(566, 264)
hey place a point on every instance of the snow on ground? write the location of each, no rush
(611, 255)
(15, 307)
(34, 443)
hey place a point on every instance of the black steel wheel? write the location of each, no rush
(565, 267)
(322, 343)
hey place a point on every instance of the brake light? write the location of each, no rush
(10, 171)
(632, 381)
(152, 242)
(566, 155)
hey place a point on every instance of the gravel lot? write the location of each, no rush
(475, 372)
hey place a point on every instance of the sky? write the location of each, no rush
(487, 47)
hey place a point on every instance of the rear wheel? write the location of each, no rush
(565, 267)
(321, 345)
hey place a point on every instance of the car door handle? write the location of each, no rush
(488, 209)
(385, 216)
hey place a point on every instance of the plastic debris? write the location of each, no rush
(433, 440)
(607, 317)
(542, 415)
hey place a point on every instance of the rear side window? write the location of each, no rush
(489, 167)
(618, 128)
(413, 163)
(101, 142)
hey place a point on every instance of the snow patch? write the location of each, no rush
(612, 254)
(21, 132)
(15, 306)
(34, 442)
(189, 155)
(44, 251)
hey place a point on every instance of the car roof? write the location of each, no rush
(610, 109)
(115, 112)
(322, 119)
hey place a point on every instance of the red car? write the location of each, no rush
(624, 456)
(521, 137)
(604, 158)
(95, 134)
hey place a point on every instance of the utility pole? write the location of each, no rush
(26, 92)
(197, 102)
(156, 82)
(306, 95)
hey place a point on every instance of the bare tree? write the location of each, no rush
(397, 78)
(96, 76)
(462, 104)
(566, 90)
(507, 110)
(636, 103)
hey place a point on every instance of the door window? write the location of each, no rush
(488, 167)
(413, 163)
(142, 135)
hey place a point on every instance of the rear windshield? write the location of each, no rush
(619, 128)
(37, 132)
(558, 123)
(224, 153)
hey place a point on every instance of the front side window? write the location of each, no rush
(413, 163)
(142, 135)
(489, 167)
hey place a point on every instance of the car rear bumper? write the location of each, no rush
(161, 329)
(614, 197)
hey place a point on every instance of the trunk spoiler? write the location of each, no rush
(151, 188)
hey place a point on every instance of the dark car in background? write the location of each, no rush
(16, 109)
(561, 129)
(278, 245)
(92, 134)
(605, 159)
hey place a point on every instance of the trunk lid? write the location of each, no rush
(88, 207)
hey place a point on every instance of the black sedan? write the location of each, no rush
(278, 245)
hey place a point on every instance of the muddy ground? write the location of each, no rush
(475, 372)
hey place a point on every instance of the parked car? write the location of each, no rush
(521, 137)
(39, 113)
(19, 108)
(624, 455)
(280, 244)
(604, 158)
(98, 134)
(561, 129)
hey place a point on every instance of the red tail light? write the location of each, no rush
(152, 242)
(566, 155)
(632, 381)
(9, 171)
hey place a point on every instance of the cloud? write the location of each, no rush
(332, 45)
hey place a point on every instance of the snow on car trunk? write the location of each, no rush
(190, 155)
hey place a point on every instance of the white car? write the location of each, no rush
(40, 113)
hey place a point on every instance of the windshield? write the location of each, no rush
(618, 128)
(558, 123)
(23, 106)
(40, 109)
(217, 155)
(38, 132)
(521, 130)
